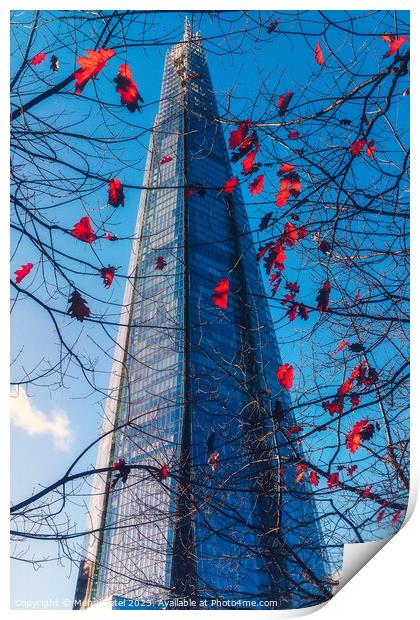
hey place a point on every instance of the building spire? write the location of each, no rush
(188, 30)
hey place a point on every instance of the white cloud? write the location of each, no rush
(33, 421)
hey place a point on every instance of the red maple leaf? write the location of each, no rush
(396, 517)
(107, 274)
(335, 407)
(356, 147)
(314, 478)
(78, 308)
(248, 165)
(366, 492)
(90, 66)
(342, 345)
(283, 102)
(293, 429)
(323, 297)
(362, 430)
(283, 194)
(166, 159)
(302, 467)
(351, 470)
(257, 185)
(230, 185)
(237, 136)
(83, 230)
(213, 460)
(333, 480)
(292, 234)
(115, 193)
(318, 54)
(127, 88)
(194, 75)
(164, 472)
(292, 135)
(285, 376)
(118, 465)
(220, 295)
(38, 58)
(160, 263)
(370, 149)
(303, 312)
(110, 237)
(22, 272)
(394, 43)
(285, 168)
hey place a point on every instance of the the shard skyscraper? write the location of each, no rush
(194, 387)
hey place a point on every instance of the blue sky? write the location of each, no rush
(287, 64)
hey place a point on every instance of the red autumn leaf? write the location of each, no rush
(292, 314)
(293, 135)
(110, 237)
(342, 345)
(362, 430)
(166, 159)
(257, 185)
(314, 478)
(22, 272)
(160, 263)
(293, 287)
(366, 492)
(90, 66)
(286, 168)
(38, 58)
(248, 163)
(351, 470)
(283, 102)
(394, 43)
(318, 54)
(78, 308)
(380, 516)
(118, 465)
(83, 230)
(230, 185)
(335, 407)
(333, 480)
(292, 234)
(284, 193)
(370, 149)
(213, 460)
(237, 136)
(164, 472)
(323, 297)
(194, 75)
(285, 376)
(127, 89)
(247, 145)
(220, 295)
(107, 274)
(355, 400)
(293, 429)
(115, 193)
(356, 147)
(396, 517)
(302, 469)
(303, 312)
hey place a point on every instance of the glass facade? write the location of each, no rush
(197, 380)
